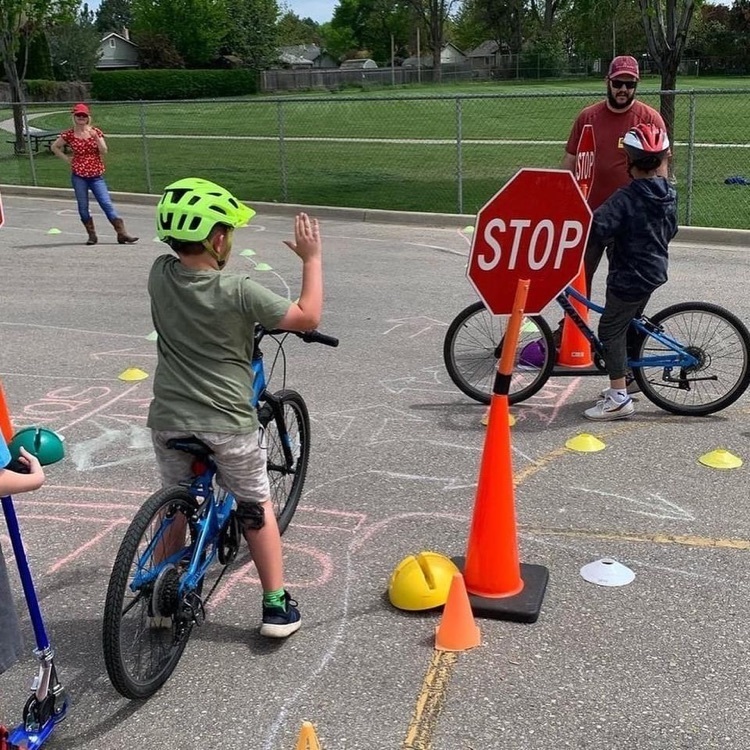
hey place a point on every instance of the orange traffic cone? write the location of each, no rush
(498, 585)
(307, 739)
(6, 425)
(575, 348)
(457, 630)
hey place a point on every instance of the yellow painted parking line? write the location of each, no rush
(430, 701)
(688, 540)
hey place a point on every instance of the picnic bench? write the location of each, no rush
(39, 137)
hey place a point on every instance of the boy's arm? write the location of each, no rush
(609, 218)
(304, 315)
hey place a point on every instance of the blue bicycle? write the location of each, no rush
(692, 358)
(155, 593)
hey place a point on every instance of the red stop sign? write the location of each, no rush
(534, 228)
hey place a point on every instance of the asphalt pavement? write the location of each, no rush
(658, 663)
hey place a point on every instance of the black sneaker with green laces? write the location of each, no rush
(280, 622)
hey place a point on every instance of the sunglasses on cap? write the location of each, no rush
(618, 84)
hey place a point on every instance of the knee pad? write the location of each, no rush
(251, 515)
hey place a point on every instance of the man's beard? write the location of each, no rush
(615, 104)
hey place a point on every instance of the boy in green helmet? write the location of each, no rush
(205, 321)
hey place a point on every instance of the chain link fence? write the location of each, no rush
(444, 154)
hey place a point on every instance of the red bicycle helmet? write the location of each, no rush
(646, 141)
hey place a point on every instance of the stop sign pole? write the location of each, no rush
(535, 227)
(2, 213)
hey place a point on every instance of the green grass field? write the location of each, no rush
(280, 148)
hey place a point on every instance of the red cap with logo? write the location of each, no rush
(624, 65)
(81, 109)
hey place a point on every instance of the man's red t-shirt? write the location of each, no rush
(87, 161)
(611, 164)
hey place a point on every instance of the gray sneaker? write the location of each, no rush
(608, 410)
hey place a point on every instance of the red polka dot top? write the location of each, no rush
(87, 162)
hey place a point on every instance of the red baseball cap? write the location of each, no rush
(81, 109)
(624, 65)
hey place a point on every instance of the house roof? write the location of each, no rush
(119, 36)
(289, 59)
(309, 52)
(359, 62)
(485, 49)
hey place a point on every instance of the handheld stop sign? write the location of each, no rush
(536, 228)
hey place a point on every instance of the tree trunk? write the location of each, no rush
(17, 99)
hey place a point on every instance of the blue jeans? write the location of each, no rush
(81, 187)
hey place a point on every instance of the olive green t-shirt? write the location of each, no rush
(205, 322)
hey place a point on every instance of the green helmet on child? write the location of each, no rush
(190, 208)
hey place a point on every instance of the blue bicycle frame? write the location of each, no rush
(680, 358)
(214, 509)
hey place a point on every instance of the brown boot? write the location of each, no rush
(93, 239)
(122, 236)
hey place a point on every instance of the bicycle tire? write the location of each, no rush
(285, 481)
(472, 345)
(698, 326)
(141, 631)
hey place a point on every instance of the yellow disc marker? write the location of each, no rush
(585, 443)
(247, 253)
(54, 231)
(263, 267)
(153, 336)
(469, 230)
(132, 373)
(720, 459)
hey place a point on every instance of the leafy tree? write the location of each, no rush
(667, 23)
(21, 19)
(74, 47)
(195, 28)
(254, 31)
(433, 15)
(469, 27)
(157, 51)
(292, 29)
(605, 28)
(114, 15)
(33, 58)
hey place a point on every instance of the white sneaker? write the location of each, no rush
(608, 409)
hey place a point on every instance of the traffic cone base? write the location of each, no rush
(575, 348)
(307, 739)
(522, 607)
(457, 630)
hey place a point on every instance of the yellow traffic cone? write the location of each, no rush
(720, 459)
(307, 739)
(585, 443)
(132, 373)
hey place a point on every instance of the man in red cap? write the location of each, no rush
(611, 120)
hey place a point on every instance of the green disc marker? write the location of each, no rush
(248, 253)
(263, 267)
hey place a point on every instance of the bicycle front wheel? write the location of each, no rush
(721, 344)
(287, 471)
(144, 632)
(472, 347)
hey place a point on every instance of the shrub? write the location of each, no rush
(121, 85)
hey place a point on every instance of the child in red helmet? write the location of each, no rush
(639, 219)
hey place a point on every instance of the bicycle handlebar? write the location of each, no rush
(309, 337)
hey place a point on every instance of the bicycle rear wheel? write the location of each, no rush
(721, 344)
(472, 347)
(145, 631)
(285, 476)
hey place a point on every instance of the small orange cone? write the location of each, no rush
(575, 348)
(307, 739)
(457, 630)
(6, 425)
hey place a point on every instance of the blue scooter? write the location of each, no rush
(48, 704)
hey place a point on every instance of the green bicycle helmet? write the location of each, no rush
(190, 208)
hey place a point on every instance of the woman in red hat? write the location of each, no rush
(87, 168)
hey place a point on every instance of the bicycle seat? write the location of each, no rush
(190, 444)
